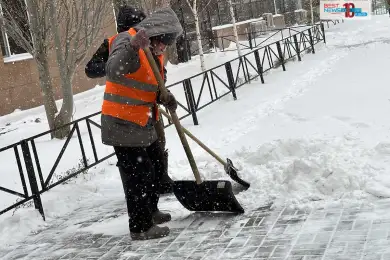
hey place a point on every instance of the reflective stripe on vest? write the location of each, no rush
(110, 40)
(132, 97)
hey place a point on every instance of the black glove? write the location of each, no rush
(169, 101)
(140, 40)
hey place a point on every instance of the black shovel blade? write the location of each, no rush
(232, 172)
(207, 196)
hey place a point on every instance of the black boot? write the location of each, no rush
(166, 183)
(160, 217)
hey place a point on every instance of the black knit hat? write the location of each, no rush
(128, 17)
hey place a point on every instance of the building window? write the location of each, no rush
(14, 12)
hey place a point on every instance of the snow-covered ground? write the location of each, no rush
(314, 135)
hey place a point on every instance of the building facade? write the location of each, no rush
(19, 79)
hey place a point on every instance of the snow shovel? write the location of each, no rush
(197, 195)
(228, 165)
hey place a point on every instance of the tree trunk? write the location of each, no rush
(35, 10)
(311, 12)
(199, 38)
(65, 115)
(234, 27)
(171, 54)
(66, 82)
(49, 101)
(276, 9)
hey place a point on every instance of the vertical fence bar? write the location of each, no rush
(22, 179)
(323, 32)
(229, 73)
(190, 99)
(243, 70)
(247, 70)
(281, 58)
(81, 145)
(169, 121)
(92, 140)
(31, 176)
(259, 67)
(208, 84)
(311, 42)
(250, 40)
(297, 47)
(37, 163)
(213, 81)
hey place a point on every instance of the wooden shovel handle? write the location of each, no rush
(196, 140)
(175, 118)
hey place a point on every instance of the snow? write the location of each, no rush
(312, 136)
(18, 57)
(224, 26)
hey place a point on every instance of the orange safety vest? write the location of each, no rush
(134, 97)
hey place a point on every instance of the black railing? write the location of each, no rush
(33, 162)
(247, 41)
(193, 94)
(333, 22)
(207, 87)
(380, 9)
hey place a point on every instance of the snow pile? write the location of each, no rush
(311, 173)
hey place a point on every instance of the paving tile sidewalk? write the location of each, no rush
(326, 234)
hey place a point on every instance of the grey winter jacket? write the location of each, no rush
(123, 59)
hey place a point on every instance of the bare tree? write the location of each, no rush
(148, 6)
(151, 5)
(13, 21)
(194, 6)
(234, 27)
(134, 3)
(75, 25)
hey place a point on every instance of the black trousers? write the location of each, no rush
(159, 126)
(141, 169)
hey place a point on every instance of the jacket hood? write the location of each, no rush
(163, 21)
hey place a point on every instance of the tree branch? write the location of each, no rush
(204, 7)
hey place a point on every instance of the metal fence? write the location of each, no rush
(199, 91)
(32, 163)
(247, 41)
(207, 87)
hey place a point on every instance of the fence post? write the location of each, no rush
(246, 77)
(190, 99)
(187, 49)
(250, 40)
(297, 47)
(229, 73)
(281, 58)
(32, 178)
(323, 31)
(259, 67)
(311, 41)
